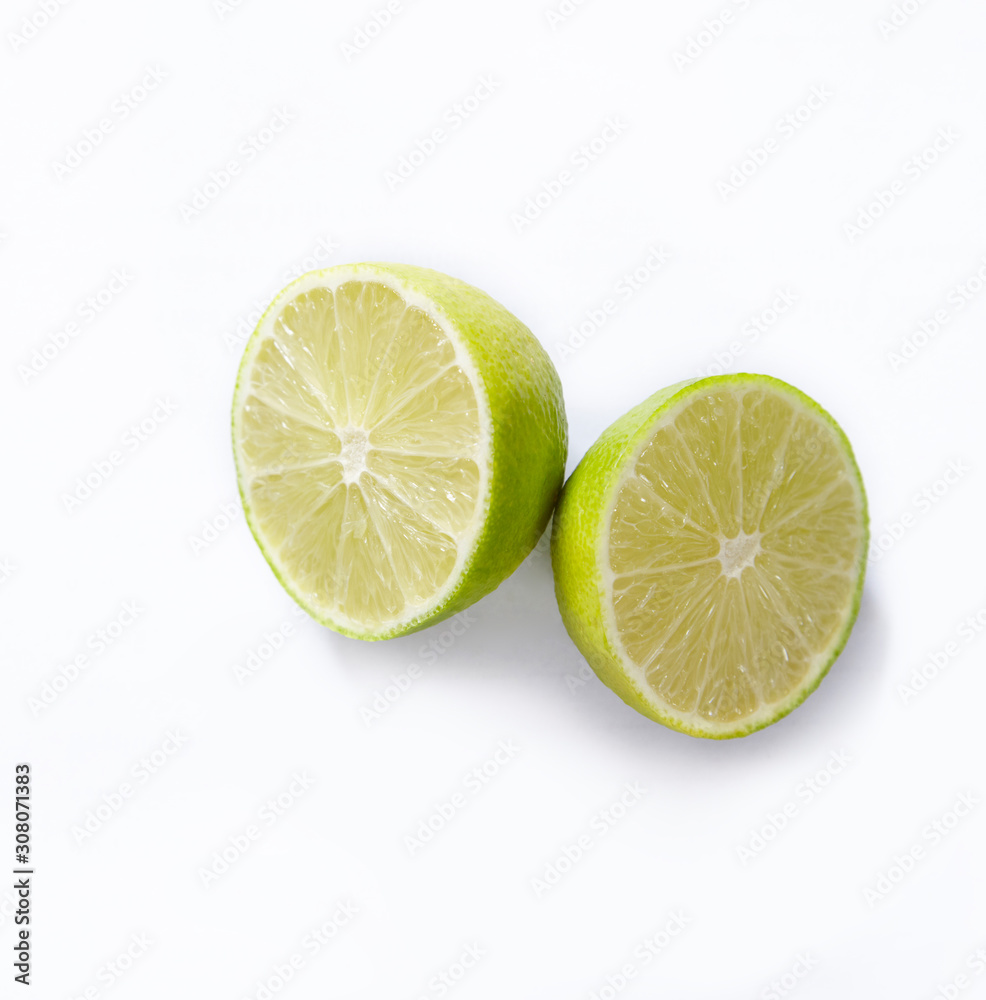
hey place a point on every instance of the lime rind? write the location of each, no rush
(580, 556)
(524, 433)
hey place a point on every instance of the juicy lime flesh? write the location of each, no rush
(360, 452)
(733, 546)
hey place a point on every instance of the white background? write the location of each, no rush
(155, 531)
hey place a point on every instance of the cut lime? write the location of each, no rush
(709, 553)
(399, 441)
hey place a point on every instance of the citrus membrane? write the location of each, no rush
(709, 553)
(379, 420)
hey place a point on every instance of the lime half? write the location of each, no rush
(400, 442)
(709, 553)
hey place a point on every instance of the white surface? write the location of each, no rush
(512, 676)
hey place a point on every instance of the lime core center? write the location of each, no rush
(737, 553)
(355, 445)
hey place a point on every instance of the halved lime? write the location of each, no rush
(399, 440)
(709, 553)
